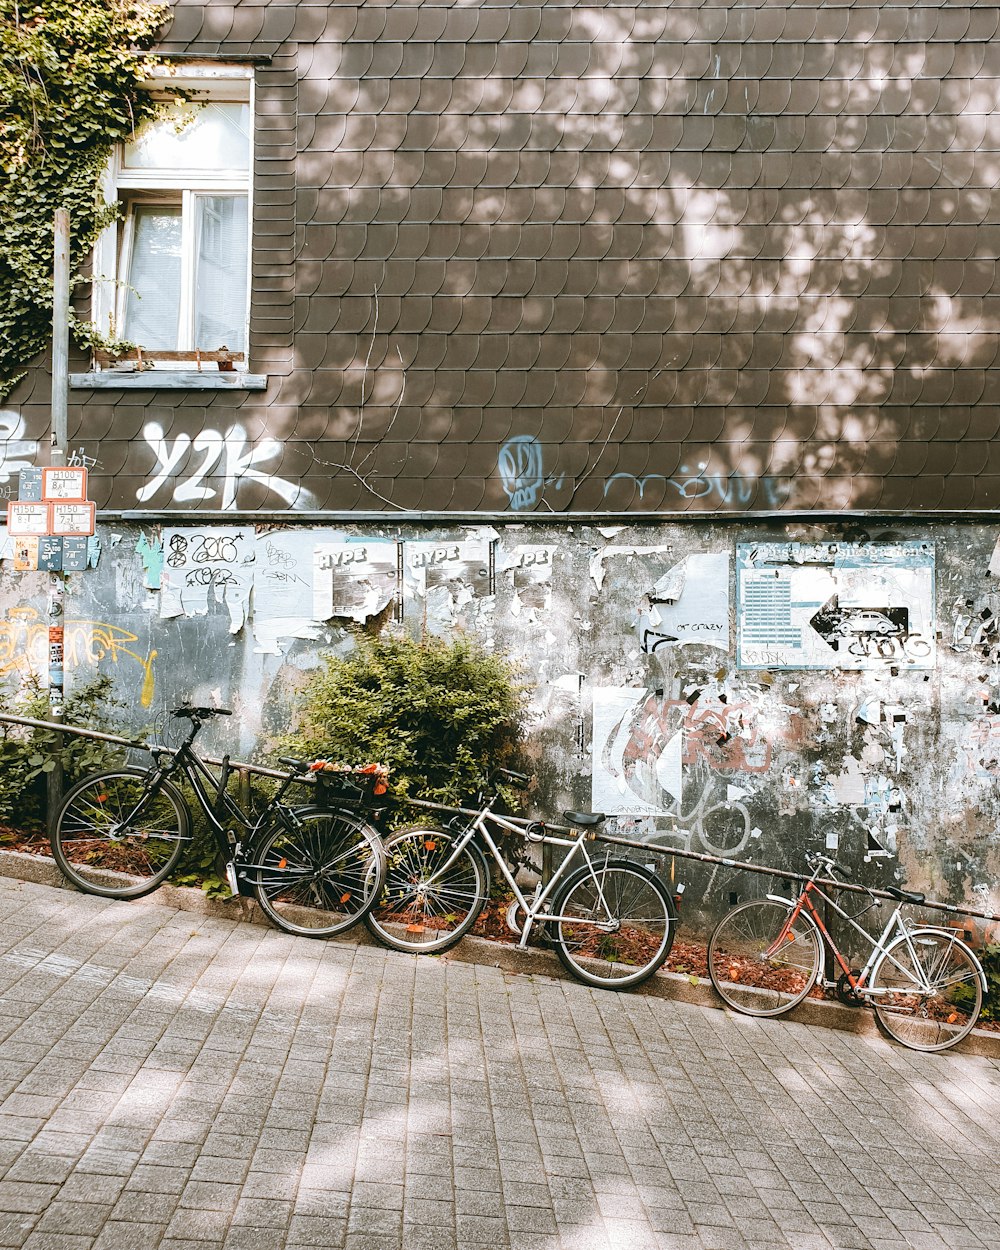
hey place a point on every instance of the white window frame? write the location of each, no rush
(217, 81)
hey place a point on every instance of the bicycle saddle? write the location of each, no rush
(904, 896)
(585, 819)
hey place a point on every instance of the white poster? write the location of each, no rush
(283, 588)
(207, 565)
(636, 758)
(689, 603)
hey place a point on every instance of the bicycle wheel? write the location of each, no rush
(616, 926)
(758, 964)
(319, 874)
(102, 848)
(926, 990)
(428, 903)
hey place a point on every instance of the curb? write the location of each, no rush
(42, 870)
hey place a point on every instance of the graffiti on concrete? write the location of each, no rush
(24, 647)
(187, 471)
(522, 472)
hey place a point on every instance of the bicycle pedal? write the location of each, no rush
(234, 884)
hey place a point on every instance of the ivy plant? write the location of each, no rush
(70, 90)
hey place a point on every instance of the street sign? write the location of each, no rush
(61, 483)
(72, 518)
(74, 554)
(26, 520)
(29, 485)
(50, 554)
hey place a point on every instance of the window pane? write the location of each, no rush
(194, 136)
(152, 302)
(221, 284)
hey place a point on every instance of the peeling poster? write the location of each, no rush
(205, 566)
(529, 567)
(636, 758)
(835, 605)
(356, 580)
(283, 588)
(689, 603)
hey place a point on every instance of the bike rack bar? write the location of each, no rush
(424, 804)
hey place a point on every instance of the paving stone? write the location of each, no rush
(278, 1116)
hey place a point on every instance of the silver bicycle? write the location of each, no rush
(924, 983)
(611, 920)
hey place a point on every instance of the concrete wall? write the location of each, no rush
(754, 690)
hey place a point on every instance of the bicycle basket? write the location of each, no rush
(349, 783)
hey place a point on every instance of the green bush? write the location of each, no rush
(28, 755)
(441, 715)
(989, 957)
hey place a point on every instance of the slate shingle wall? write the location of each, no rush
(592, 256)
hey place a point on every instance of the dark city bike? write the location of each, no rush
(315, 870)
(924, 983)
(611, 920)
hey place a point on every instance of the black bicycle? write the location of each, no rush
(315, 870)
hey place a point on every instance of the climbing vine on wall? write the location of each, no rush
(70, 74)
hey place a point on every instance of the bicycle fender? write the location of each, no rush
(780, 898)
(927, 928)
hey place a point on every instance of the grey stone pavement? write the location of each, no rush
(184, 1082)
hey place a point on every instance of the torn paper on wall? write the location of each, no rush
(354, 580)
(636, 767)
(150, 551)
(689, 603)
(283, 588)
(448, 576)
(6, 544)
(205, 566)
(597, 560)
(529, 568)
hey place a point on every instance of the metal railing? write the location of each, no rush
(244, 771)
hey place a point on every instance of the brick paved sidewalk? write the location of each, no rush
(190, 1083)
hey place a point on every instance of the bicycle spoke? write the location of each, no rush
(116, 838)
(926, 990)
(321, 876)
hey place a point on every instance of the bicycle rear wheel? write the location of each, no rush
(617, 924)
(759, 964)
(319, 874)
(926, 990)
(428, 903)
(116, 838)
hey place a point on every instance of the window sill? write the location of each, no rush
(168, 380)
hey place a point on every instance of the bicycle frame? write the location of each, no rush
(894, 925)
(534, 911)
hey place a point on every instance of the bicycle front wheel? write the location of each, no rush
(760, 963)
(117, 837)
(429, 903)
(926, 990)
(320, 873)
(615, 926)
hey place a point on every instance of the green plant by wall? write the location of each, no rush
(69, 92)
(440, 714)
(28, 755)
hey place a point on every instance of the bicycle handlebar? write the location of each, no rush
(187, 712)
(521, 780)
(824, 861)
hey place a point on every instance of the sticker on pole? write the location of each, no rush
(64, 484)
(27, 520)
(73, 518)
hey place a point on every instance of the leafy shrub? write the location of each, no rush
(442, 715)
(28, 755)
(989, 957)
